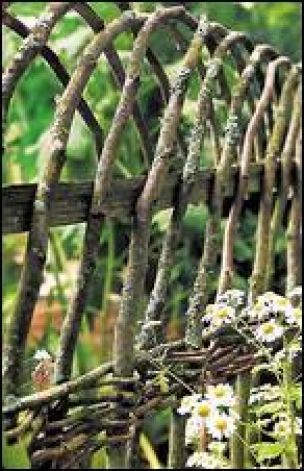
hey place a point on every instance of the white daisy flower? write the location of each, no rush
(272, 303)
(204, 409)
(205, 460)
(188, 404)
(257, 312)
(266, 299)
(42, 355)
(218, 314)
(193, 429)
(233, 297)
(220, 425)
(269, 331)
(220, 395)
(210, 309)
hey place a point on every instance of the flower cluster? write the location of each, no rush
(224, 310)
(271, 313)
(275, 313)
(210, 416)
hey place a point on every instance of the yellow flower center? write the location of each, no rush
(222, 313)
(268, 328)
(282, 302)
(221, 424)
(219, 391)
(204, 410)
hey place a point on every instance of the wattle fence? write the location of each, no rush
(256, 157)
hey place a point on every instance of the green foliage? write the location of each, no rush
(266, 450)
(99, 460)
(14, 456)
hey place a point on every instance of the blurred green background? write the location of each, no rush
(31, 113)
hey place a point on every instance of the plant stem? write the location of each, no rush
(243, 383)
(291, 448)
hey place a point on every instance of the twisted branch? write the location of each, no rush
(227, 258)
(294, 229)
(31, 277)
(70, 328)
(199, 296)
(285, 185)
(30, 48)
(259, 273)
(52, 59)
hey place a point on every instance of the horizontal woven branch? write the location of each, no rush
(71, 201)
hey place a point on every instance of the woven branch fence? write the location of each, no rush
(257, 157)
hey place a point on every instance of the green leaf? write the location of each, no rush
(295, 392)
(270, 408)
(162, 219)
(265, 450)
(15, 456)
(99, 460)
(149, 452)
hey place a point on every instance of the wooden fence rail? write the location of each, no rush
(71, 201)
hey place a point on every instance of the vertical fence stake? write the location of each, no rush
(177, 452)
(117, 457)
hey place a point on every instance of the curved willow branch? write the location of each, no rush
(282, 198)
(52, 59)
(152, 325)
(37, 242)
(274, 146)
(294, 229)
(73, 318)
(199, 295)
(167, 247)
(263, 244)
(97, 24)
(215, 35)
(30, 48)
(138, 249)
(102, 183)
(227, 260)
